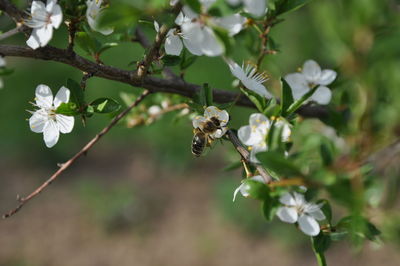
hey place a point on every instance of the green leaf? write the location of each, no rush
(194, 5)
(105, 105)
(187, 60)
(87, 42)
(106, 46)
(119, 15)
(208, 94)
(287, 97)
(277, 163)
(256, 190)
(285, 6)
(77, 95)
(321, 242)
(232, 166)
(269, 207)
(326, 154)
(297, 104)
(69, 109)
(171, 60)
(257, 99)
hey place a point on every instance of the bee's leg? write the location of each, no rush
(209, 141)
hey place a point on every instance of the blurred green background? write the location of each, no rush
(140, 197)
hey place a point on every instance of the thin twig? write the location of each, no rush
(10, 33)
(84, 150)
(152, 54)
(246, 156)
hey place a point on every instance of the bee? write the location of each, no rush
(202, 135)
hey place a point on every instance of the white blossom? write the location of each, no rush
(93, 13)
(209, 113)
(254, 135)
(311, 76)
(250, 78)
(45, 120)
(297, 209)
(2, 64)
(244, 187)
(43, 19)
(196, 33)
(257, 8)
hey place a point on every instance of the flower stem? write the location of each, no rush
(320, 258)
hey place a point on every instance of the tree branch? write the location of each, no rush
(154, 84)
(84, 150)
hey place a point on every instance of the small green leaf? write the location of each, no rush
(257, 99)
(285, 6)
(256, 190)
(287, 97)
(277, 163)
(69, 109)
(194, 5)
(87, 42)
(106, 46)
(105, 105)
(77, 95)
(120, 15)
(187, 60)
(326, 154)
(208, 94)
(270, 206)
(232, 166)
(321, 242)
(171, 60)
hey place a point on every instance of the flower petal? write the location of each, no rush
(257, 87)
(299, 199)
(2, 61)
(237, 191)
(260, 147)
(37, 6)
(192, 37)
(248, 136)
(51, 133)
(65, 123)
(308, 225)
(317, 215)
(255, 7)
(287, 199)
(173, 43)
(33, 40)
(322, 95)
(56, 17)
(298, 84)
(260, 122)
(44, 96)
(236, 70)
(210, 45)
(287, 214)
(233, 23)
(312, 71)
(258, 178)
(62, 96)
(44, 34)
(38, 121)
(327, 77)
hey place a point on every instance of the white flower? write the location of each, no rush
(43, 20)
(250, 78)
(257, 8)
(45, 120)
(244, 187)
(312, 76)
(2, 64)
(173, 2)
(196, 33)
(296, 209)
(93, 12)
(285, 126)
(254, 135)
(211, 113)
